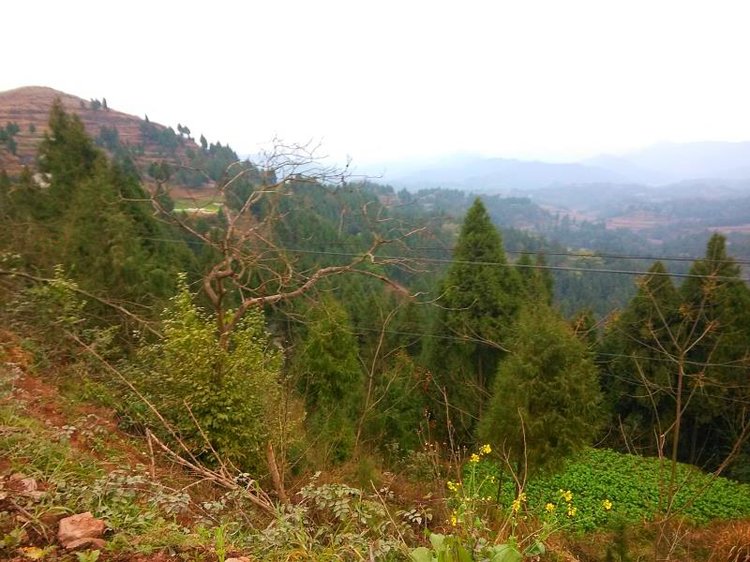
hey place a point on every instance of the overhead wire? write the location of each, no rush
(472, 339)
(526, 266)
(425, 259)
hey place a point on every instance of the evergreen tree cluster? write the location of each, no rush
(505, 363)
(483, 354)
(7, 135)
(91, 215)
(681, 353)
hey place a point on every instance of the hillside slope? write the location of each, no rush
(144, 141)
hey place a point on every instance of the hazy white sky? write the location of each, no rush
(388, 79)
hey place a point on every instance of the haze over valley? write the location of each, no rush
(386, 281)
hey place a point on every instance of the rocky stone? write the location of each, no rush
(77, 527)
(87, 542)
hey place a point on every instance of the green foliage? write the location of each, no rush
(715, 306)
(336, 522)
(448, 548)
(474, 512)
(479, 301)
(54, 311)
(330, 378)
(399, 413)
(230, 389)
(67, 154)
(7, 135)
(545, 401)
(109, 138)
(536, 281)
(469, 501)
(164, 137)
(88, 556)
(696, 336)
(93, 218)
(54, 305)
(631, 484)
(638, 375)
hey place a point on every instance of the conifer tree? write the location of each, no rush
(67, 154)
(5, 185)
(716, 305)
(536, 281)
(677, 362)
(584, 326)
(638, 379)
(480, 297)
(330, 378)
(545, 403)
(95, 220)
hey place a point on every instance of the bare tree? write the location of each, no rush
(677, 365)
(249, 268)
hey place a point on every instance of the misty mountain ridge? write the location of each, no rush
(708, 163)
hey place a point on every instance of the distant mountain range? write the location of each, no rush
(705, 169)
(657, 165)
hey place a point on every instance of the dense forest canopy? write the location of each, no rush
(293, 320)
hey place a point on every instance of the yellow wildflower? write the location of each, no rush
(567, 495)
(516, 505)
(486, 449)
(549, 508)
(453, 486)
(454, 519)
(572, 511)
(474, 458)
(607, 505)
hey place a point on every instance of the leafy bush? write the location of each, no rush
(231, 391)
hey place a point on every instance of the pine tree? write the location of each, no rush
(639, 377)
(95, 219)
(68, 154)
(716, 308)
(330, 378)
(480, 297)
(545, 403)
(536, 281)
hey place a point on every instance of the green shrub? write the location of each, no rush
(231, 390)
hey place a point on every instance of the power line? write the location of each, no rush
(528, 266)
(629, 257)
(448, 261)
(586, 255)
(541, 253)
(464, 339)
